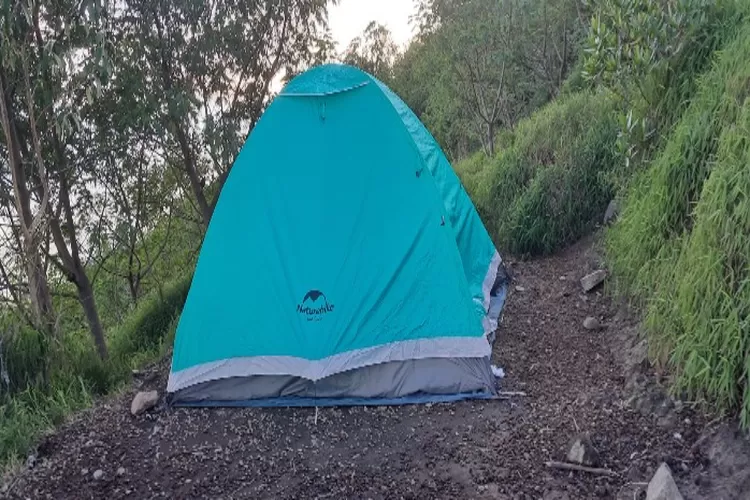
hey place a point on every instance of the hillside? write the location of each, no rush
(574, 380)
(563, 119)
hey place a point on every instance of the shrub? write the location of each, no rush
(77, 374)
(682, 248)
(549, 184)
(705, 312)
(476, 179)
(658, 210)
(650, 52)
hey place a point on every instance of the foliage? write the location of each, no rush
(476, 66)
(681, 247)
(78, 375)
(707, 317)
(547, 187)
(374, 52)
(650, 52)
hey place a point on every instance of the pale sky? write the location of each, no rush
(350, 18)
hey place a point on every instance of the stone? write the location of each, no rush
(555, 495)
(582, 452)
(98, 474)
(520, 289)
(611, 213)
(591, 323)
(144, 401)
(121, 471)
(662, 485)
(591, 281)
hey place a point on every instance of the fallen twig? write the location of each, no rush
(512, 393)
(581, 468)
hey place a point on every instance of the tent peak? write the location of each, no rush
(326, 79)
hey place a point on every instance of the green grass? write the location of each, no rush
(681, 248)
(705, 312)
(76, 374)
(547, 186)
(659, 208)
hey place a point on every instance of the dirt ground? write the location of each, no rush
(575, 380)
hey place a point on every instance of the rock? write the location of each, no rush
(555, 495)
(582, 452)
(591, 323)
(611, 213)
(591, 281)
(98, 474)
(662, 485)
(121, 471)
(520, 289)
(84, 472)
(144, 401)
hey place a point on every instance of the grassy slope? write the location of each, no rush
(682, 247)
(76, 375)
(547, 185)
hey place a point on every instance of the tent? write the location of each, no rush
(344, 263)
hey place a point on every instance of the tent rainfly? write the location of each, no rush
(344, 264)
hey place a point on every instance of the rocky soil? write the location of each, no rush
(589, 380)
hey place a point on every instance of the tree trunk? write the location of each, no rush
(490, 140)
(192, 172)
(86, 298)
(39, 292)
(70, 262)
(134, 287)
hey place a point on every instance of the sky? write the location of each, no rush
(349, 18)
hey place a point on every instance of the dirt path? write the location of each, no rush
(574, 379)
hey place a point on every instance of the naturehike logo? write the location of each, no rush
(314, 306)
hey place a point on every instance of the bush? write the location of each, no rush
(548, 185)
(76, 374)
(705, 312)
(145, 327)
(658, 210)
(476, 179)
(682, 248)
(649, 53)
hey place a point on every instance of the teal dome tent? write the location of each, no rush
(344, 264)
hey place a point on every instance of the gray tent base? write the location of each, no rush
(393, 383)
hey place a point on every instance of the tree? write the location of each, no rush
(53, 57)
(135, 193)
(649, 52)
(29, 230)
(478, 43)
(205, 71)
(479, 66)
(374, 51)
